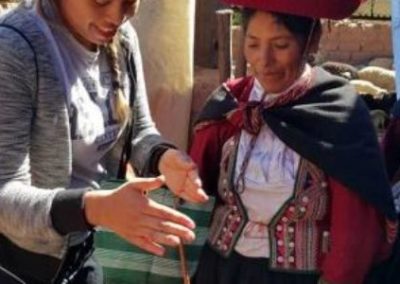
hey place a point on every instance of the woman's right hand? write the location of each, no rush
(131, 214)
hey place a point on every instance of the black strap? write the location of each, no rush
(127, 148)
(74, 260)
(35, 59)
(36, 268)
(7, 277)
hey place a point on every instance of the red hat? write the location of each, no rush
(331, 9)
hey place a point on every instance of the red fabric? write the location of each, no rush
(357, 233)
(331, 9)
(357, 237)
(208, 140)
(357, 229)
(206, 152)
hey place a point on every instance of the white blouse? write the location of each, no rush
(269, 181)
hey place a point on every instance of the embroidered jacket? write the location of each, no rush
(324, 227)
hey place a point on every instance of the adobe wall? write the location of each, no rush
(356, 41)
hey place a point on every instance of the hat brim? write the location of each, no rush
(329, 9)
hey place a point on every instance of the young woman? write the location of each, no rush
(292, 156)
(71, 90)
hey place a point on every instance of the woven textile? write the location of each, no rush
(125, 263)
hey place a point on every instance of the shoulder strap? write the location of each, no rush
(7, 276)
(21, 34)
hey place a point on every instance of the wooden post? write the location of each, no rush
(224, 35)
(205, 48)
(240, 69)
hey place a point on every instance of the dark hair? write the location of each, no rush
(299, 26)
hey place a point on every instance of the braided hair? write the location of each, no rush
(121, 106)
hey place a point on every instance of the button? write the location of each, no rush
(291, 259)
(291, 244)
(324, 184)
(279, 228)
(291, 230)
(303, 209)
(230, 217)
(234, 208)
(230, 234)
(292, 209)
(285, 219)
(325, 234)
(238, 219)
(280, 259)
(219, 243)
(224, 229)
(224, 247)
(280, 243)
(305, 199)
(230, 194)
(225, 181)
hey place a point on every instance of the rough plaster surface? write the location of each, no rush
(166, 33)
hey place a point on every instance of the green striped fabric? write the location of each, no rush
(125, 263)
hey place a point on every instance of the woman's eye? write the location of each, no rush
(252, 45)
(281, 45)
(102, 2)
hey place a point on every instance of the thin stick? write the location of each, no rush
(183, 262)
(182, 254)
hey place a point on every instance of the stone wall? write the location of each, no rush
(356, 41)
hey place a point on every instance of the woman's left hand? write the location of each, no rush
(181, 176)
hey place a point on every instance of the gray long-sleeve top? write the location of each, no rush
(37, 210)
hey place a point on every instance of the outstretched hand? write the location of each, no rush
(131, 214)
(181, 176)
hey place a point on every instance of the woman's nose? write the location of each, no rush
(267, 56)
(115, 14)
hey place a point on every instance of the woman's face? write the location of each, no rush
(273, 52)
(95, 22)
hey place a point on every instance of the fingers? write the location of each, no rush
(153, 241)
(168, 227)
(152, 234)
(148, 245)
(163, 212)
(193, 176)
(145, 184)
(193, 190)
(161, 238)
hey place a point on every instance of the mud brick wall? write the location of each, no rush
(356, 41)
